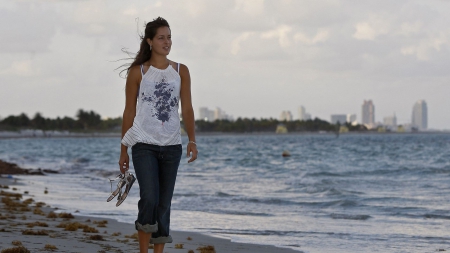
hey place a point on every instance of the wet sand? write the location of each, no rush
(26, 222)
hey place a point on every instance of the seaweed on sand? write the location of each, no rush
(206, 249)
(20, 249)
(37, 223)
(34, 232)
(96, 237)
(66, 215)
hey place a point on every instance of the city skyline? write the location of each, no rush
(419, 119)
(252, 58)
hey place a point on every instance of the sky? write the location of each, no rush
(251, 58)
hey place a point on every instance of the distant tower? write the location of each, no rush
(341, 118)
(206, 114)
(420, 115)
(301, 113)
(351, 118)
(390, 121)
(286, 116)
(203, 113)
(368, 113)
(218, 114)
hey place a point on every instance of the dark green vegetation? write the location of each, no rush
(89, 121)
(270, 125)
(84, 121)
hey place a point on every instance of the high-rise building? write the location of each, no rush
(302, 114)
(390, 122)
(341, 118)
(420, 115)
(218, 113)
(368, 113)
(206, 114)
(351, 118)
(286, 116)
(212, 115)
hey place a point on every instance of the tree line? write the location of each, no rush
(92, 121)
(245, 125)
(84, 121)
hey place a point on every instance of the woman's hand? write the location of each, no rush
(192, 149)
(124, 162)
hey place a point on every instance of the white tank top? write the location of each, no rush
(157, 120)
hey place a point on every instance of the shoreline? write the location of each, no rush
(18, 135)
(38, 227)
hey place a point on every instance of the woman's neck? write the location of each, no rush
(158, 61)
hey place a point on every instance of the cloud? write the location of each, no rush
(131, 11)
(21, 68)
(424, 49)
(374, 27)
(281, 33)
(321, 36)
(236, 43)
(195, 7)
(411, 28)
(252, 8)
(27, 28)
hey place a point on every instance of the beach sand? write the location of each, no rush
(27, 222)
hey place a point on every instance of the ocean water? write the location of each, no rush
(355, 193)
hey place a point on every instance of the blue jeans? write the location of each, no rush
(156, 171)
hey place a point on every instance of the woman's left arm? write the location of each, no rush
(187, 112)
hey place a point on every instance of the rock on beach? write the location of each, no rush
(7, 168)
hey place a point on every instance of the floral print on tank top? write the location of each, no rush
(161, 101)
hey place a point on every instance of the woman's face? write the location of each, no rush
(162, 42)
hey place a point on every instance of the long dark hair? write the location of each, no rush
(144, 52)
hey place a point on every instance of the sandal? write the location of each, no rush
(129, 179)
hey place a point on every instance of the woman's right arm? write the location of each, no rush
(131, 90)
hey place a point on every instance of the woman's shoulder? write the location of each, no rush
(181, 68)
(136, 69)
(175, 64)
(134, 74)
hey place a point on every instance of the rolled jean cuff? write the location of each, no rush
(161, 239)
(147, 228)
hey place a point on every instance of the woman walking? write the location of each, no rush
(152, 129)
